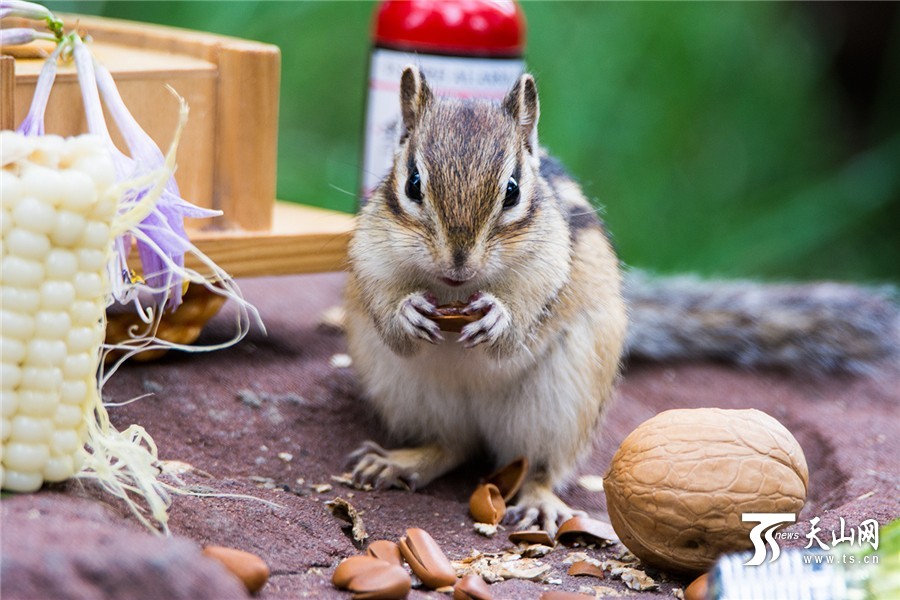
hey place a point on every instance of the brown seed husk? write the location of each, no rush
(586, 531)
(426, 559)
(486, 504)
(385, 583)
(385, 550)
(509, 479)
(471, 587)
(352, 567)
(249, 568)
(531, 536)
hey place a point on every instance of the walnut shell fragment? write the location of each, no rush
(531, 536)
(371, 578)
(426, 559)
(246, 566)
(486, 504)
(586, 568)
(679, 483)
(509, 479)
(471, 587)
(346, 512)
(585, 531)
(564, 596)
(385, 550)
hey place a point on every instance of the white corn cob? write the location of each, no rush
(57, 241)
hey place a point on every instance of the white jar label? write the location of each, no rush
(448, 76)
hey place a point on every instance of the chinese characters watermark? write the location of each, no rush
(765, 535)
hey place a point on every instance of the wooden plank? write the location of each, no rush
(7, 96)
(304, 240)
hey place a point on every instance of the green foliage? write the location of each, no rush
(711, 133)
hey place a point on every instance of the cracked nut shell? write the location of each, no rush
(585, 531)
(532, 536)
(486, 504)
(509, 479)
(249, 568)
(426, 559)
(678, 484)
(471, 587)
(385, 550)
(371, 578)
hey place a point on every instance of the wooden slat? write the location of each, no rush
(7, 92)
(246, 133)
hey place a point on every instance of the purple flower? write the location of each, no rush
(33, 123)
(166, 241)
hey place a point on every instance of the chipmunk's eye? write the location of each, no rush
(512, 193)
(414, 187)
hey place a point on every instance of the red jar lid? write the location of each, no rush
(467, 27)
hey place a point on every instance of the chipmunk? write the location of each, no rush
(473, 211)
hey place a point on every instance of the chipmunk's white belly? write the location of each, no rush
(464, 397)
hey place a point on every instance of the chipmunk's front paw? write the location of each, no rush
(489, 328)
(412, 317)
(538, 505)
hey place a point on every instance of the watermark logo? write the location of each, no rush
(764, 535)
(768, 523)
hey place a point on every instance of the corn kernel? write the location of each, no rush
(52, 324)
(61, 264)
(19, 299)
(21, 272)
(57, 295)
(38, 403)
(10, 376)
(68, 228)
(30, 213)
(25, 457)
(31, 430)
(45, 353)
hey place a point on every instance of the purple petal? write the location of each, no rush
(33, 123)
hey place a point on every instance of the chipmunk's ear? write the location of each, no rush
(522, 105)
(415, 95)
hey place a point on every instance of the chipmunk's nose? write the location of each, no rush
(460, 255)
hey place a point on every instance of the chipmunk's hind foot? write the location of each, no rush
(537, 504)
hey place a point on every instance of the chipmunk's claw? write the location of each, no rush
(491, 326)
(413, 316)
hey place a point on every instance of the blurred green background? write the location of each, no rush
(738, 139)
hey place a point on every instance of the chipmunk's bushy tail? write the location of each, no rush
(819, 327)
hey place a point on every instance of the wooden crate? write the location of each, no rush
(227, 155)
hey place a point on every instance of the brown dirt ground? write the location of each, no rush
(199, 413)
